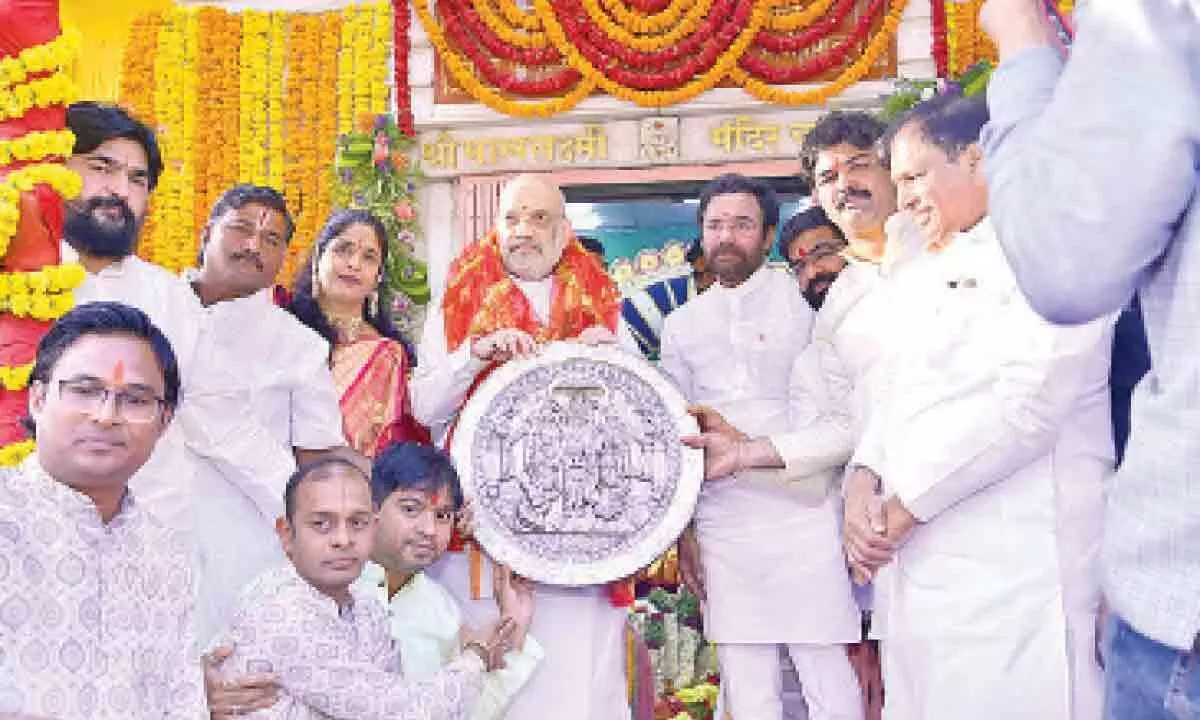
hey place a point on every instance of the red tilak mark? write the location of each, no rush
(118, 372)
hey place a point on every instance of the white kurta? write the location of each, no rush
(582, 634)
(772, 559)
(995, 433)
(425, 621)
(284, 364)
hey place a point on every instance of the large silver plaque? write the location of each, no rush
(574, 464)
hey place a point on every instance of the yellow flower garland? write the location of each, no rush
(54, 55)
(37, 145)
(328, 73)
(252, 76)
(14, 453)
(686, 26)
(724, 65)
(345, 73)
(528, 39)
(641, 23)
(38, 306)
(799, 19)
(65, 182)
(57, 89)
(274, 99)
(15, 377)
(852, 74)
(380, 64)
(50, 279)
(519, 17)
(464, 75)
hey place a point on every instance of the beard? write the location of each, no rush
(818, 288)
(88, 234)
(731, 273)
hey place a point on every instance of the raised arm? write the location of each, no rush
(1089, 172)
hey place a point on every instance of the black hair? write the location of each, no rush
(732, 183)
(95, 123)
(810, 219)
(695, 252)
(320, 469)
(949, 121)
(412, 466)
(243, 194)
(305, 306)
(593, 246)
(105, 318)
(842, 127)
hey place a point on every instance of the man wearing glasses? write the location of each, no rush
(812, 246)
(96, 593)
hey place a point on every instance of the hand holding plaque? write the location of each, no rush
(574, 462)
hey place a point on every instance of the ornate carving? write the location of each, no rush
(575, 464)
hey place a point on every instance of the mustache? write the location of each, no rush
(845, 195)
(728, 247)
(825, 277)
(251, 256)
(110, 201)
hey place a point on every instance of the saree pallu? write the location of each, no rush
(371, 374)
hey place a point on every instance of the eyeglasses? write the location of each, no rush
(818, 251)
(132, 404)
(739, 226)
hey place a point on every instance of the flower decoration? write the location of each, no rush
(368, 176)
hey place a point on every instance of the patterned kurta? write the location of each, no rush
(338, 662)
(95, 618)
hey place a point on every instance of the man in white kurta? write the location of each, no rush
(527, 282)
(991, 445)
(213, 433)
(283, 364)
(773, 568)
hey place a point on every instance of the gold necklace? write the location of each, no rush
(347, 326)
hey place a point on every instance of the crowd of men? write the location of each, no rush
(915, 422)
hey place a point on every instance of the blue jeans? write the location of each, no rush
(1148, 681)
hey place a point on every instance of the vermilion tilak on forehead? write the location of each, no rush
(263, 215)
(118, 372)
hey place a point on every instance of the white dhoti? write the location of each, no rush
(582, 675)
(775, 575)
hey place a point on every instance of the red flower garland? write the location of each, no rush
(497, 46)
(555, 84)
(941, 52)
(807, 37)
(604, 53)
(665, 69)
(812, 67)
(400, 50)
(715, 34)
(649, 7)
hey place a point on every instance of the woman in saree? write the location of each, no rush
(340, 293)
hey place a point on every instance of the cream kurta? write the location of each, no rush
(773, 560)
(425, 621)
(284, 365)
(337, 661)
(995, 433)
(95, 617)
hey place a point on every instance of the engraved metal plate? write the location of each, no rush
(574, 463)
